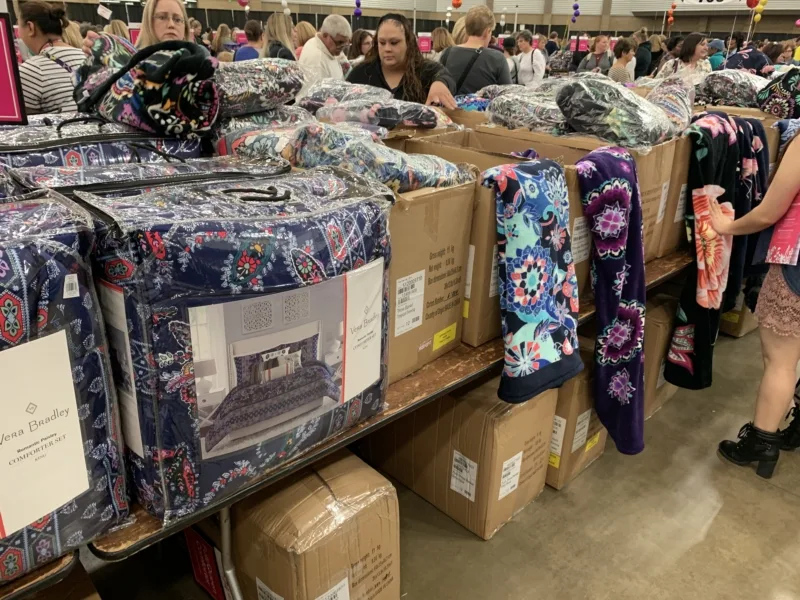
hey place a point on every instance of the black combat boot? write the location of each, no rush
(791, 435)
(754, 446)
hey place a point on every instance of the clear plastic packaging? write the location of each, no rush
(400, 171)
(228, 300)
(490, 92)
(334, 91)
(283, 116)
(88, 143)
(58, 408)
(531, 110)
(472, 103)
(733, 87)
(613, 113)
(254, 86)
(385, 113)
(135, 178)
(675, 96)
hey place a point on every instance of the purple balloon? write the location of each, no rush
(358, 3)
(357, 12)
(577, 13)
(574, 19)
(576, 6)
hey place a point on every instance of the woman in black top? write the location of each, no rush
(280, 30)
(396, 64)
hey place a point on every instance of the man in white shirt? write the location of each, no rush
(531, 63)
(319, 56)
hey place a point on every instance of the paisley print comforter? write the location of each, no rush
(179, 247)
(248, 404)
(46, 289)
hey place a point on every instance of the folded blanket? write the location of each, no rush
(675, 96)
(531, 110)
(385, 113)
(165, 89)
(108, 55)
(733, 87)
(333, 91)
(253, 86)
(612, 112)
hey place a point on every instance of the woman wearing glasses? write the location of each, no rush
(163, 20)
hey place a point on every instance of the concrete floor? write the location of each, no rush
(671, 523)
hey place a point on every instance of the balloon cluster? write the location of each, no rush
(758, 7)
(448, 14)
(671, 14)
(357, 11)
(286, 10)
(503, 17)
(577, 12)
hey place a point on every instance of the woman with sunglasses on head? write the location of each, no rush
(395, 63)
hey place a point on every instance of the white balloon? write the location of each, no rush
(287, 12)
(284, 3)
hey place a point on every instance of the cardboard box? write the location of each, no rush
(658, 328)
(740, 321)
(467, 118)
(579, 437)
(76, 586)
(481, 308)
(673, 229)
(477, 459)
(331, 532)
(654, 170)
(430, 231)
(642, 91)
(482, 314)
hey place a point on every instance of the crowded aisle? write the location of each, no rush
(451, 302)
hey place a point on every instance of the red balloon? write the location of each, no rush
(674, 6)
(752, 3)
(456, 3)
(243, 2)
(670, 13)
(670, 20)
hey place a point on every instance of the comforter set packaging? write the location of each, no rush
(247, 323)
(63, 482)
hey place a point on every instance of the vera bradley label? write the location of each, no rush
(42, 465)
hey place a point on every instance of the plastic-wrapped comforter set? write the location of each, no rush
(219, 287)
(60, 430)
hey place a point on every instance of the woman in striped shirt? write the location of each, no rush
(47, 83)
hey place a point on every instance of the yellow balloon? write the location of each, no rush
(757, 18)
(763, 2)
(759, 9)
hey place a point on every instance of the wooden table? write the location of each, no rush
(40, 579)
(442, 376)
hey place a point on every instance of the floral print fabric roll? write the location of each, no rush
(538, 285)
(254, 86)
(612, 204)
(781, 98)
(675, 96)
(537, 112)
(472, 103)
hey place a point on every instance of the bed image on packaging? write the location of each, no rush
(248, 321)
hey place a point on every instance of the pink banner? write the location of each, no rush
(613, 43)
(573, 43)
(425, 44)
(241, 37)
(535, 43)
(12, 111)
(784, 247)
(134, 35)
(583, 45)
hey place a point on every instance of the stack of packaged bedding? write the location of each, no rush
(63, 480)
(248, 320)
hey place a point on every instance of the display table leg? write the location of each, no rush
(227, 554)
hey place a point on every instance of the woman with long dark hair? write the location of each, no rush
(692, 58)
(396, 64)
(361, 44)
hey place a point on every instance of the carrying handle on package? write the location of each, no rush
(267, 194)
(151, 148)
(85, 119)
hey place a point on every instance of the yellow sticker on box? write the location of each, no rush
(592, 441)
(731, 317)
(555, 460)
(465, 312)
(444, 337)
